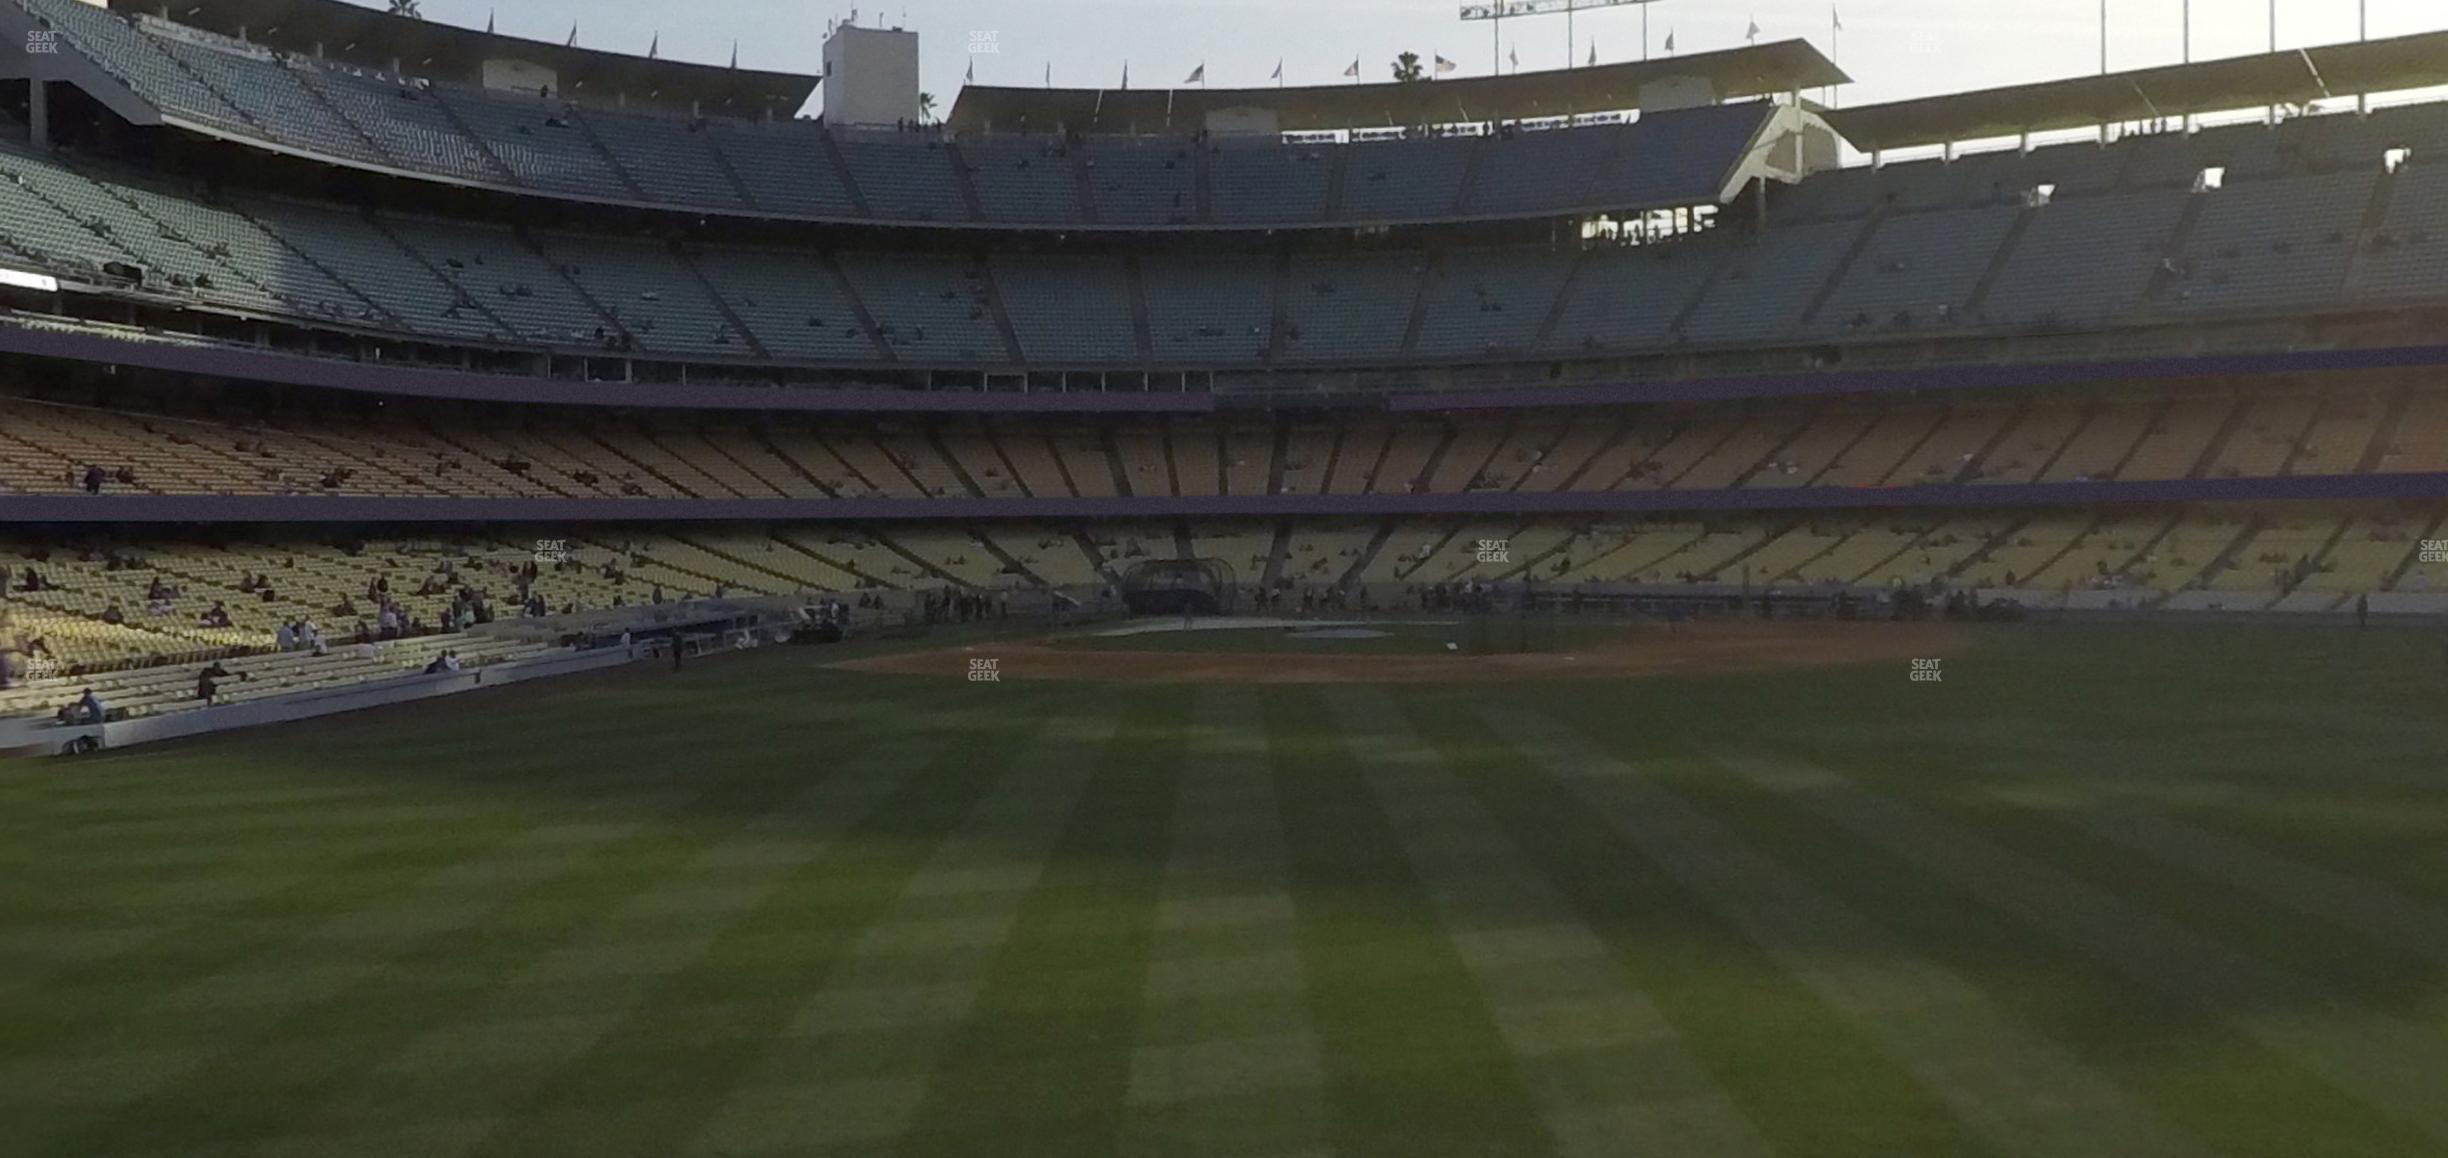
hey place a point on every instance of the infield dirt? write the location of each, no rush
(1691, 648)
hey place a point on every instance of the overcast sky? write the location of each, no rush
(1893, 48)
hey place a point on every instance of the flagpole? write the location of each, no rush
(2188, 51)
(2362, 33)
(1644, 32)
(2103, 129)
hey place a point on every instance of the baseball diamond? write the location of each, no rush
(1826, 580)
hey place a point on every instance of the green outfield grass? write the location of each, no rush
(2157, 892)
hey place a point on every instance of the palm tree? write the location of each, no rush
(407, 8)
(1407, 68)
(926, 106)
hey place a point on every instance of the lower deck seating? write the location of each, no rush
(152, 690)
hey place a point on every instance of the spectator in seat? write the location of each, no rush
(88, 709)
(208, 681)
(93, 480)
(218, 616)
(113, 615)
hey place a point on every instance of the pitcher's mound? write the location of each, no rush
(1614, 652)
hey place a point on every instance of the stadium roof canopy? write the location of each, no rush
(374, 38)
(1784, 66)
(2294, 76)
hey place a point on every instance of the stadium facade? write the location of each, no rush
(285, 323)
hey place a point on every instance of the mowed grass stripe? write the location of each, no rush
(846, 1067)
(1808, 1079)
(1041, 1066)
(2383, 832)
(484, 1056)
(222, 1095)
(248, 902)
(821, 873)
(111, 911)
(324, 878)
(2392, 1065)
(429, 1039)
(2198, 1072)
(215, 896)
(1415, 1062)
(2359, 940)
(2020, 1091)
(2373, 911)
(1609, 1071)
(1226, 1062)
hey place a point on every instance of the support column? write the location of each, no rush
(38, 106)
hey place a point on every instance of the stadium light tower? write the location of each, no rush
(1498, 10)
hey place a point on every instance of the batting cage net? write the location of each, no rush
(1179, 587)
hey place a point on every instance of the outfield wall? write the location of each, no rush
(41, 737)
